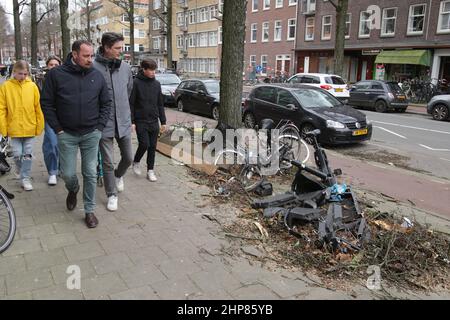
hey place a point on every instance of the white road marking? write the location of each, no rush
(398, 135)
(433, 149)
(410, 127)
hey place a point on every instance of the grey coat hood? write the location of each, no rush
(119, 79)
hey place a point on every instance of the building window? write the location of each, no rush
(388, 22)
(192, 40)
(277, 31)
(125, 18)
(326, 27)
(365, 22)
(156, 43)
(292, 24)
(212, 65)
(203, 39)
(219, 35)
(416, 19)
(255, 4)
(180, 41)
(141, 48)
(180, 19)
(212, 12)
(126, 32)
(264, 63)
(444, 18)
(192, 17)
(279, 3)
(212, 39)
(203, 14)
(253, 61)
(156, 24)
(126, 47)
(253, 32)
(266, 5)
(309, 29)
(265, 32)
(348, 22)
(139, 19)
(156, 4)
(292, 2)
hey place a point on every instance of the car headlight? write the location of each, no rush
(166, 92)
(335, 124)
(368, 121)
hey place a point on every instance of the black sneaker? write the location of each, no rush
(91, 220)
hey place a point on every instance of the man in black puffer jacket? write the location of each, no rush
(77, 105)
(147, 110)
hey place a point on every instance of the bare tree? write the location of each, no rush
(65, 31)
(166, 18)
(341, 7)
(87, 9)
(233, 26)
(34, 29)
(128, 7)
(4, 30)
(17, 11)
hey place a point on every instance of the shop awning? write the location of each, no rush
(422, 57)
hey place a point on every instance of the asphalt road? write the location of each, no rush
(411, 141)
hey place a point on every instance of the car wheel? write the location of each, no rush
(305, 129)
(402, 110)
(380, 106)
(180, 106)
(440, 112)
(215, 113)
(249, 120)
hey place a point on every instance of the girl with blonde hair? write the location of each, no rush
(21, 118)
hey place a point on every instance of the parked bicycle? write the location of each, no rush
(254, 164)
(7, 215)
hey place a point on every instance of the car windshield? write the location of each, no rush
(310, 98)
(168, 79)
(394, 87)
(334, 80)
(212, 87)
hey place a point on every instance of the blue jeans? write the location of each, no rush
(50, 151)
(68, 149)
(22, 149)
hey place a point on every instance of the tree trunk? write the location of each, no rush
(65, 31)
(17, 30)
(131, 17)
(34, 35)
(233, 25)
(169, 34)
(339, 49)
(88, 20)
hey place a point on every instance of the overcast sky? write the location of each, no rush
(7, 4)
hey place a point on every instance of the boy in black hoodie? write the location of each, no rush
(147, 108)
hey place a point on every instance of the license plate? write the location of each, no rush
(401, 97)
(360, 132)
(338, 90)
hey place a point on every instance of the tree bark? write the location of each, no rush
(65, 31)
(169, 34)
(131, 16)
(34, 34)
(17, 30)
(339, 48)
(88, 19)
(233, 26)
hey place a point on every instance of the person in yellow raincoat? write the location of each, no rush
(21, 119)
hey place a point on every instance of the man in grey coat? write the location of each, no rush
(119, 79)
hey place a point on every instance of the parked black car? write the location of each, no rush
(439, 107)
(169, 83)
(309, 108)
(378, 95)
(199, 96)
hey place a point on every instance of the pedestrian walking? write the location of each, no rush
(119, 79)
(50, 144)
(147, 110)
(77, 105)
(21, 119)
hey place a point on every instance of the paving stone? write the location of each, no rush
(285, 287)
(12, 264)
(24, 221)
(60, 292)
(23, 246)
(36, 231)
(177, 268)
(39, 260)
(19, 296)
(70, 226)
(84, 251)
(88, 235)
(115, 245)
(147, 255)
(58, 241)
(27, 281)
(110, 263)
(211, 281)
(142, 293)
(140, 275)
(179, 289)
(101, 287)
(50, 218)
(179, 249)
(2, 286)
(254, 292)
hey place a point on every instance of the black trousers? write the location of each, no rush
(147, 134)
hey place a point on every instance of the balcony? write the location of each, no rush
(184, 29)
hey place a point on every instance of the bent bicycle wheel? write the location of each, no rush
(250, 177)
(7, 222)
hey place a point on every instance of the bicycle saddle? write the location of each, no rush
(267, 124)
(313, 133)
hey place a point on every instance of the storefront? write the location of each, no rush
(441, 65)
(400, 65)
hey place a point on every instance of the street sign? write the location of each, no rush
(258, 69)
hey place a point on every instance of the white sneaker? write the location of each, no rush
(112, 203)
(52, 181)
(137, 168)
(26, 185)
(151, 176)
(119, 184)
